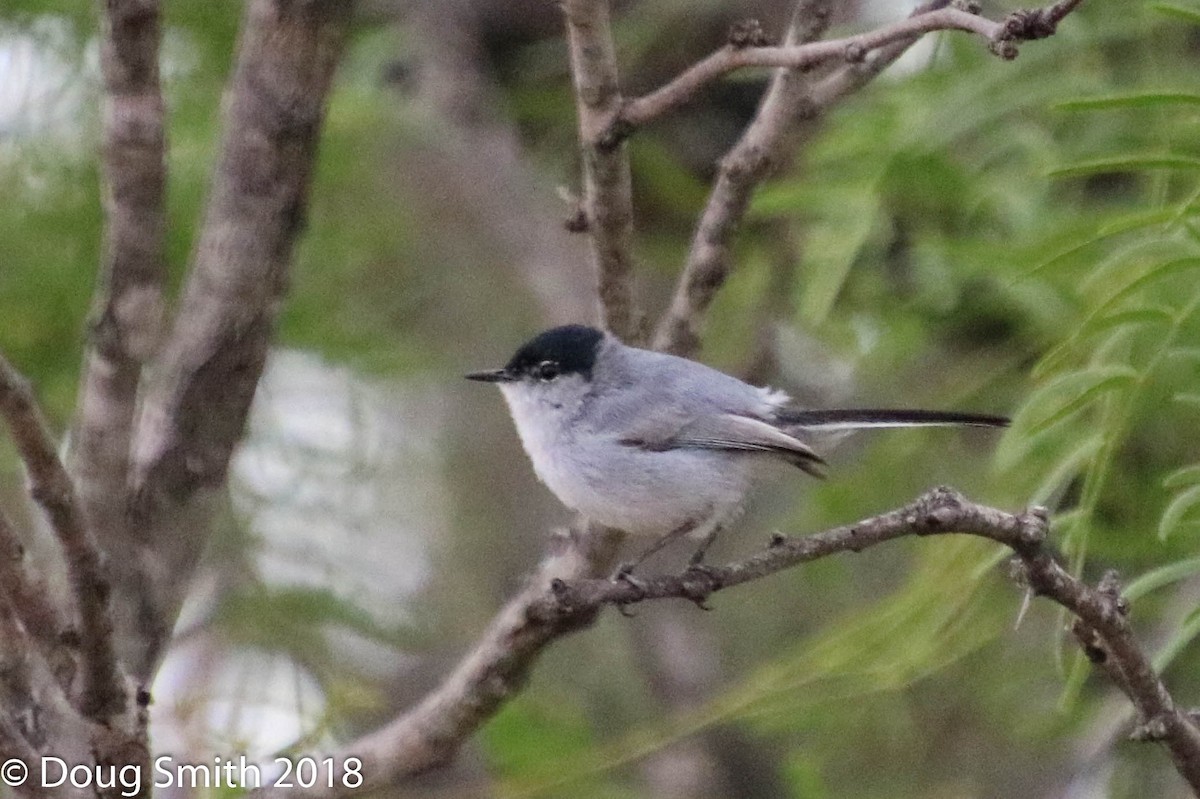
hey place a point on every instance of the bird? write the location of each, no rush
(660, 446)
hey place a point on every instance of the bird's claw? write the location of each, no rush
(624, 574)
(698, 591)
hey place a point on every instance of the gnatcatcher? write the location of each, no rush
(658, 445)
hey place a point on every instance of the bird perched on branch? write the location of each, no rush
(661, 446)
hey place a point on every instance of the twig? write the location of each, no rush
(850, 77)
(1115, 648)
(750, 161)
(559, 601)
(787, 99)
(1002, 36)
(792, 98)
(103, 692)
(941, 511)
(607, 191)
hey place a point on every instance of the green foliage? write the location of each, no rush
(1119, 363)
(296, 620)
(1048, 210)
(1076, 216)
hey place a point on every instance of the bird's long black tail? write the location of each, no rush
(859, 419)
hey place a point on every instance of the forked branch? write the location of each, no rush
(766, 139)
(607, 203)
(1002, 36)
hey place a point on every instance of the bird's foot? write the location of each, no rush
(624, 574)
(699, 581)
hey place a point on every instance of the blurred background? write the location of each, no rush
(964, 233)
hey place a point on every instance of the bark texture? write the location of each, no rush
(196, 408)
(127, 315)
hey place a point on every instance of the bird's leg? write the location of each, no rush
(624, 572)
(696, 561)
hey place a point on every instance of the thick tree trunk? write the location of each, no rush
(127, 318)
(196, 407)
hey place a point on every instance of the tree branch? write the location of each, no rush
(37, 609)
(607, 191)
(560, 600)
(1002, 37)
(939, 511)
(747, 163)
(16, 688)
(14, 745)
(752, 159)
(37, 716)
(850, 77)
(103, 692)
(493, 672)
(20, 723)
(1101, 610)
(127, 309)
(195, 411)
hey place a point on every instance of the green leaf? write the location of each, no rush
(1187, 398)
(1187, 13)
(1131, 258)
(1119, 321)
(1057, 358)
(1188, 475)
(1068, 394)
(1184, 354)
(832, 250)
(1157, 272)
(1146, 315)
(1132, 100)
(1127, 224)
(528, 736)
(1178, 642)
(1176, 510)
(1129, 163)
(1162, 576)
(1066, 469)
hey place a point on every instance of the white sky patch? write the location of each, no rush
(340, 478)
(339, 481)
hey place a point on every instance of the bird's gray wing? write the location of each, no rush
(672, 429)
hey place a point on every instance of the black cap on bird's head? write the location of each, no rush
(570, 349)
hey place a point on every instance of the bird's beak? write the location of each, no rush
(492, 376)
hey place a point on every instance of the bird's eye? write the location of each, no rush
(546, 370)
